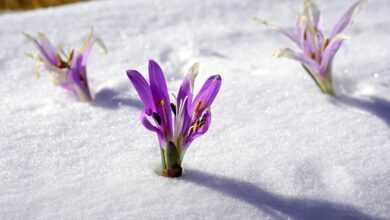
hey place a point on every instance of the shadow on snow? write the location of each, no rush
(374, 105)
(109, 99)
(278, 206)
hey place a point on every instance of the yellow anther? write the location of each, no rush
(198, 106)
(326, 44)
(198, 124)
(162, 103)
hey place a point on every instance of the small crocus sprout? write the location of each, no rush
(68, 70)
(179, 122)
(316, 50)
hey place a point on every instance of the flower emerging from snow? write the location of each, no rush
(179, 122)
(317, 50)
(67, 69)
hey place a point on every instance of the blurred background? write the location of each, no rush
(31, 4)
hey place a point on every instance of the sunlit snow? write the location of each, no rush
(277, 148)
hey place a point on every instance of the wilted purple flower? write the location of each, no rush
(77, 74)
(179, 122)
(67, 70)
(316, 50)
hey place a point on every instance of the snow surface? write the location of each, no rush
(277, 147)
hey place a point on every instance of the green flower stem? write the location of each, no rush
(171, 161)
(326, 86)
(324, 83)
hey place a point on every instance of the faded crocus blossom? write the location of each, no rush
(54, 59)
(69, 70)
(179, 122)
(316, 50)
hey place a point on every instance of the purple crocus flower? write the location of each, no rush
(316, 50)
(68, 70)
(179, 122)
(53, 58)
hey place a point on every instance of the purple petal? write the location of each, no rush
(309, 47)
(184, 91)
(160, 96)
(299, 57)
(69, 86)
(345, 19)
(143, 90)
(186, 95)
(187, 117)
(205, 127)
(78, 74)
(321, 39)
(329, 53)
(157, 78)
(47, 50)
(290, 33)
(207, 93)
(148, 125)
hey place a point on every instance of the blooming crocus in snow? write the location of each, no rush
(179, 122)
(67, 69)
(316, 51)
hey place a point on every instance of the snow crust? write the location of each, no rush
(277, 148)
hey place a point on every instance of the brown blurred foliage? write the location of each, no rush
(31, 4)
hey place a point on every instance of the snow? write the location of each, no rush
(277, 148)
